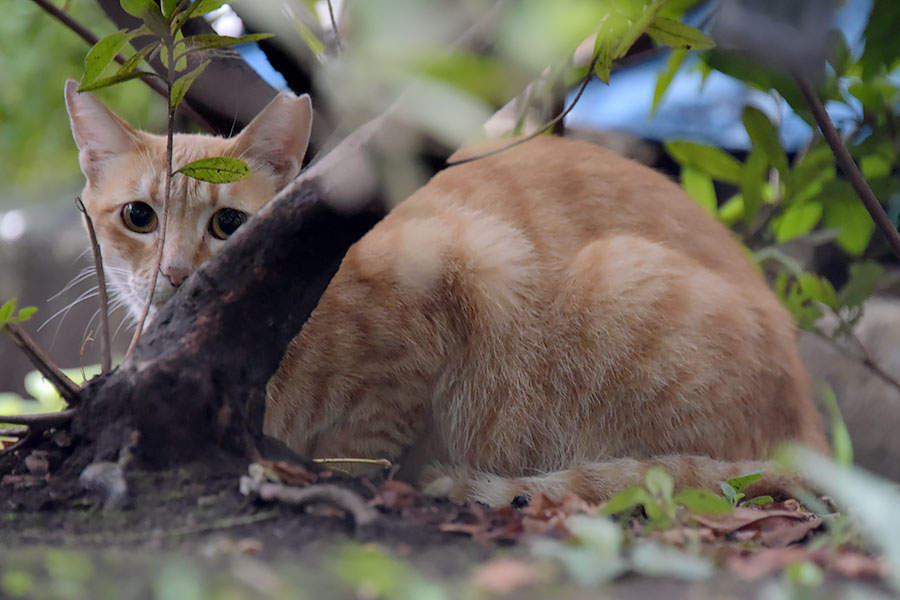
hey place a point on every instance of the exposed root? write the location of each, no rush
(34, 426)
(342, 498)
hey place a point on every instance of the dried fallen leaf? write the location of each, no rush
(772, 527)
(502, 576)
(396, 495)
(292, 473)
(757, 565)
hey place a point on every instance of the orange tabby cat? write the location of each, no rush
(554, 318)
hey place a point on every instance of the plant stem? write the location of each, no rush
(848, 166)
(88, 36)
(66, 387)
(105, 355)
(164, 218)
(549, 125)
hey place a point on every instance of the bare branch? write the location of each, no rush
(105, 354)
(848, 166)
(40, 421)
(66, 387)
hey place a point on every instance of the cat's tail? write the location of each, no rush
(599, 481)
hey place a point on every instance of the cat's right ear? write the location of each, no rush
(99, 133)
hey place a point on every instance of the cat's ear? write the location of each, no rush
(99, 133)
(277, 138)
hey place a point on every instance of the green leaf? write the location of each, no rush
(659, 483)
(23, 315)
(209, 41)
(626, 500)
(102, 54)
(805, 312)
(703, 501)
(741, 482)
(622, 24)
(216, 169)
(804, 573)
(678, 35)
(665, 78)
(137, 8)
(202, 7)
(114, 79)
(844, 212)
(660, 518)
(720, 165)
(863, 282)
(6, 311)
(840, 435)
(131, 64)
(765, 138)
(729, 493)
(699, 186)
(817, 288)
(182, 84)
(797, 220)
(753, 184)
(759, 501)
(169, 7)
(732, 210)
(806, 179)
(196, 9)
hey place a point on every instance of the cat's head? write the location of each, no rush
(125, 170)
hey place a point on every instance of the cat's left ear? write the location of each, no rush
(277, 138)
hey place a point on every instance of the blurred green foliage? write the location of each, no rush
(37, 54)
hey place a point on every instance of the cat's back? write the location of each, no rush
(562, 194)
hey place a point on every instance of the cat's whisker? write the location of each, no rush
(86, 295)
(82, 275)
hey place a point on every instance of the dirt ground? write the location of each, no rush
(189, 533)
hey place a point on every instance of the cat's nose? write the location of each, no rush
(176, 275)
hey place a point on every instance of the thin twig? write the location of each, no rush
(105, 354)
(587, 78)
(864, 358)
(164, 217)
(334, 27)
(383, 462)
(66, 387)
(88, 36)
(23, 441)
(848, 166)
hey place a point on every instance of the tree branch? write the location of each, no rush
(848, 166)
(66, 387)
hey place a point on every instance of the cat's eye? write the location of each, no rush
(225, 222)
(139, 217)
